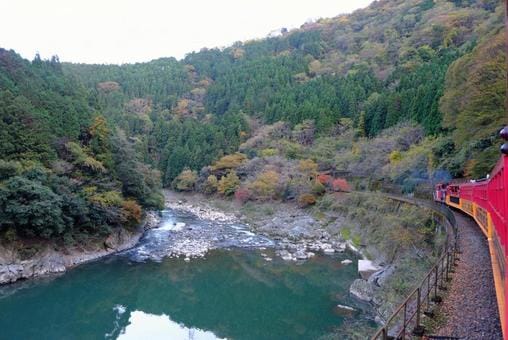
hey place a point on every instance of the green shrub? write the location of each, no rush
(268, 152)
(318, 189)
(210, 185)
(185, 181)
(228, 184)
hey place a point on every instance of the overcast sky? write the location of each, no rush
(121, 31)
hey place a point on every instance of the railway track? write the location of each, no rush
(470, 307)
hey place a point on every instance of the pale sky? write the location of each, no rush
(121, 31)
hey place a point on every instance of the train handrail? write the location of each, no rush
(406, 319)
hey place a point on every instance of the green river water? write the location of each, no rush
(233, 294)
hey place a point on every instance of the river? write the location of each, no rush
(233, 292)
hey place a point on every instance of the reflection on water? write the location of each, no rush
(233, 294)
(149, 326)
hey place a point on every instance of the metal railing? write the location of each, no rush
(406, 320)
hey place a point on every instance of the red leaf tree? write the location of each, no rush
(340, 184)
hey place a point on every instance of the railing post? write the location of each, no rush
(447, 264)
(404, 322)
(419, 330)
(435, 281)
(428, 292)
(442, 270)
(437, 298)
(418, 306)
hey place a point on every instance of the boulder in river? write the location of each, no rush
(344, 310)
(301, 255)
(285, 255)
(366, 268)
(329, 251)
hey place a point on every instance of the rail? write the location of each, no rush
(406, 320)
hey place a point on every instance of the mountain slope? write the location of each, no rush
(379, 66)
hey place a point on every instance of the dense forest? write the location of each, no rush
(65, 171)
(401, 92)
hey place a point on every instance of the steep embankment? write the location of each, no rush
(18, 262)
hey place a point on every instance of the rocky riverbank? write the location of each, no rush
(49, 259)
(296, 234)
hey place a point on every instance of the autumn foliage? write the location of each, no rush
(335, 184)
(305, 200)
(242, 194)
(340, 184)
(325, 179)
(228, 184)
(229, 161)
(132, 211)
(266, 184)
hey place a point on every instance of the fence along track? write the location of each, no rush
(405, 322)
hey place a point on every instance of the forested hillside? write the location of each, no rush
(393, 62)
(65, 172)
(80, 142)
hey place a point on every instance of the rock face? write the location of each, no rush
(47, 260)
(379, 278)
(361, 289)
(366, 268)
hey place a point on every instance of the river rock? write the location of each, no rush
(340, 247)
(285, 255)
(10, 273)
(301, 255)
(344, 310)
(366, 268)
(325, 246)
(329, 251)
(202, 212)
(361, 289)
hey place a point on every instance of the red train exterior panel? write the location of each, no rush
(487, 202)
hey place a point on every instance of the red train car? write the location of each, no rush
(486, 201)
(440, 192)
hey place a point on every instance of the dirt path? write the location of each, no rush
(470, 309)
